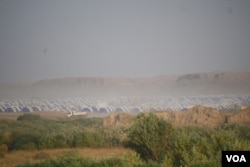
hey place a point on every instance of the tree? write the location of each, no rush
(150, 136)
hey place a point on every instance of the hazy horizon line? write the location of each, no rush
(124, 77)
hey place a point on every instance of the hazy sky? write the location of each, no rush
(42, 39)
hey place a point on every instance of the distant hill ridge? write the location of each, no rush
(188, 84)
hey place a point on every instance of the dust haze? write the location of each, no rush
(57, 39)
(108, 49)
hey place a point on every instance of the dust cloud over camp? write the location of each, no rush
(220, 90)
(213, 83)
(128, 82)
(66, 56)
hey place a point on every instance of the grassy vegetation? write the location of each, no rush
(73, 159)
(154, 141)
(30, 132)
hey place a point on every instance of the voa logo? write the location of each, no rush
(236, 158)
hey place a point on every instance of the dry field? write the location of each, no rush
(47, 114)
(14, 158)
(43, 114)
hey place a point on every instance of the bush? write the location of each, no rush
(191, 146)
(113, 137)
(133, 159)
(29, 117)
(150, 136)
(59, 141)
(24, 142)
(87, 139)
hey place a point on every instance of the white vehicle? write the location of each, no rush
(77, 114)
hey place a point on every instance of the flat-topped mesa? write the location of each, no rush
(213, 83)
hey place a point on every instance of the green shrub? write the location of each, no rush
(113, 137)
(90, 122)
(67, 159)
(24, 142)
(133, 159)
(29, 117)
(192, 146)
(87, 139)
(150, 136)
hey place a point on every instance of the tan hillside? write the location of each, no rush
(215, 83)
(203, 116)
(242, 117)
(198, 116)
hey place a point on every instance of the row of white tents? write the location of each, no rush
(87, 109)
(122, 104)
